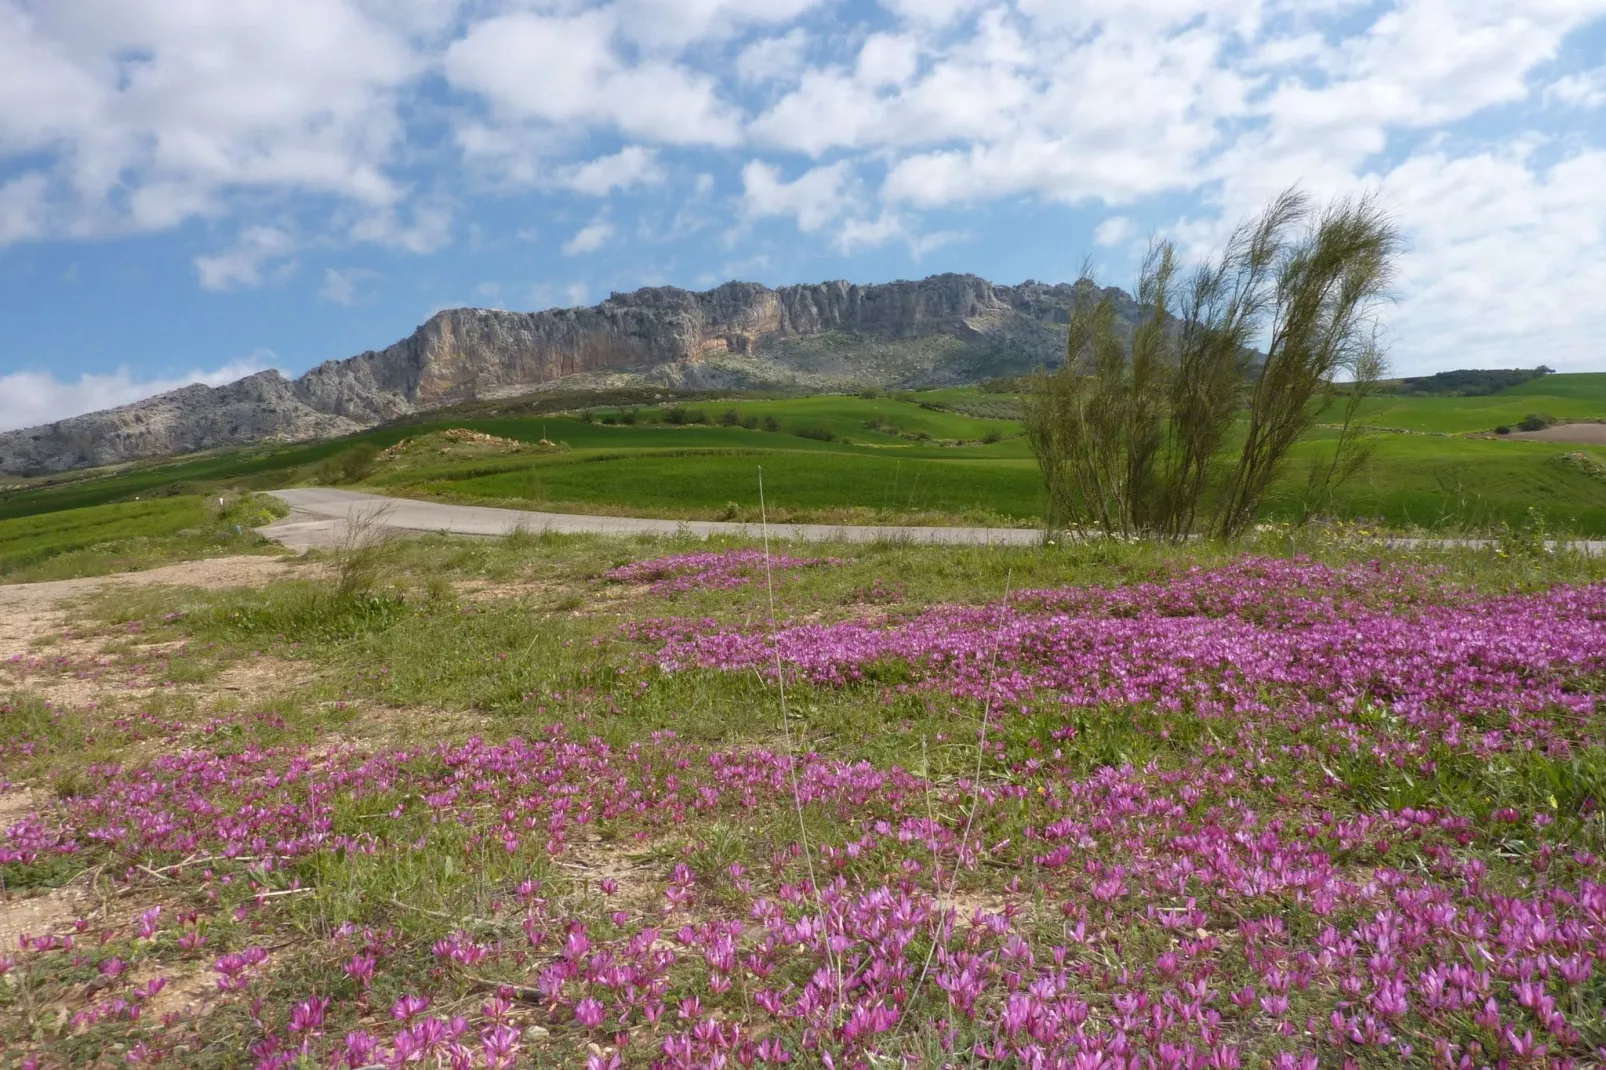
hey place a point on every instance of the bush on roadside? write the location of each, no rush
(1535, 421)
(350, 465)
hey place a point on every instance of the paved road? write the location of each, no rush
(320, 517)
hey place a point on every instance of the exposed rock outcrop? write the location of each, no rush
(944, 329)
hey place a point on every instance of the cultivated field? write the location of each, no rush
(926, 457)
(566, 801)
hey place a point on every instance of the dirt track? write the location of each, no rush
(1568, 434)
(321, 514)
(321, 517)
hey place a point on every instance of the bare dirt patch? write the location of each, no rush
(30, 610)
(41, 650)
(374, 727)
(48, 913)
(188, 988)
(1579, 434)
(18, 804)
(634, 868)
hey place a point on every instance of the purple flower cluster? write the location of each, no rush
(711, 570)
(1286, 642)
(1234, 907)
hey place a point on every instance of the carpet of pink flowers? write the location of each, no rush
(1233, 904)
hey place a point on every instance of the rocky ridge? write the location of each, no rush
(943, 330)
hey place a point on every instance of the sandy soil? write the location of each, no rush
(27, 609)
(1570, 434)
(40, 650)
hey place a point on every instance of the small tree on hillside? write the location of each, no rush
(1132, 435)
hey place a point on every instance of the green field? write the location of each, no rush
(98, 539)
(908, 457)
(1457, 416)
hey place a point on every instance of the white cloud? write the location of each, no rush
(1503, 264)
(921, 244)
(673, 24)
(304, 123)
(139, 114)
(258, 249)
(346, 286)
(589, 238)
(887, 60)
(1585, 90)
(566, 70)
(1113, 231)
(856, 234)
(632, 165)
(30, 398)
(813, 199)
(422, 226)
(24, 208)
(773, 59)
(931, 12)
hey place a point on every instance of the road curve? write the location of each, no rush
(321, 516)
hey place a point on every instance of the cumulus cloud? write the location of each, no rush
(568, 69)
(673, 24)
(423, 226)
(30, 398)
(1113, 231)
(773, 59)
(136, 115)
(346, 286)
(1504, 263)
(260, 251)
(123, 116)
(813, 199)
(1584, 90)
(589, 238)
(631, 166)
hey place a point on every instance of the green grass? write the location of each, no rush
(901, 457)
(1458, 416)
(96, 540)
(432, 667)
(1587, 386)
(1457, 484)
(799, 485)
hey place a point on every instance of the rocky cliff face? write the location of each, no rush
(944, 329)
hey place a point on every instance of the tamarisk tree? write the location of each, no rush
(1181, 427)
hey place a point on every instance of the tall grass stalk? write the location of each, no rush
(786, 734)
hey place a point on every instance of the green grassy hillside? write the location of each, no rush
(928, 456)
(1587, 386)
(97, 539)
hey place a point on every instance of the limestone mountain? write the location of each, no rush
(943, 330)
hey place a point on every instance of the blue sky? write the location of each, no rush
(192, 190)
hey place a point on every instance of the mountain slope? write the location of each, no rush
(943, 330)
